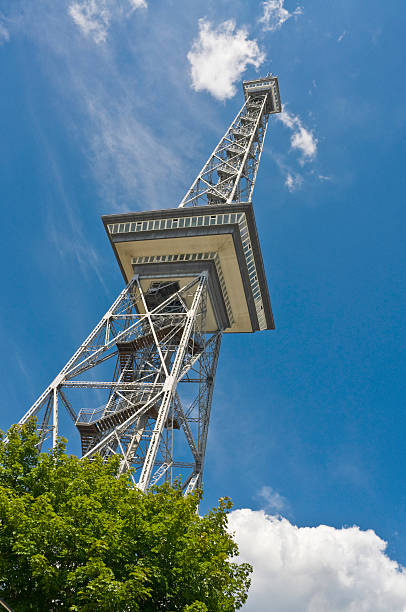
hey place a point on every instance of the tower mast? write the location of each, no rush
(230, 172)
(141, 385)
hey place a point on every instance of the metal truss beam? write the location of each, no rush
(127, 372)
(230, 172)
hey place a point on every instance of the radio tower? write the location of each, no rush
(141, 384)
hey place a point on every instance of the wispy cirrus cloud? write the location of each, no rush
(134, 159)
(130, 157)
(315, 569)
(275, 15)
(302, 138)
(293, 181)
(340, 38)
(4, 33)
(219, 56)
(93, 17)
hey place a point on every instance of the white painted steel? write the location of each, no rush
(163, 345)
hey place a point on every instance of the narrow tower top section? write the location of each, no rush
(228, 176)
(267, 85)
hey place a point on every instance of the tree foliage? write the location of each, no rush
(73, 536)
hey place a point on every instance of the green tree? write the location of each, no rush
(73, 536)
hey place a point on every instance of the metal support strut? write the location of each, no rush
(145, 375)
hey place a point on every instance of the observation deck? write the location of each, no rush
(173, 244)
(267, 85)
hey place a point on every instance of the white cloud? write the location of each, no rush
(275, 14)
(293, 181)
(304, 140)
(339, 39)
(4, 34)
(316, 569)
(274, 501)
(301, 139)
(138, 4)
(219, 56)
(94, 16)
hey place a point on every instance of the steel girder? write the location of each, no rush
(146, 374)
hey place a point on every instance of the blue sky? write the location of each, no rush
(114, 106)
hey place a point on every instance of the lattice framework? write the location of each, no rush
(230, 172)
(152, 352)
(141, 385)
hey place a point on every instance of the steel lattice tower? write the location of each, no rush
(141, 384)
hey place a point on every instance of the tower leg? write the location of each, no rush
(145, 375)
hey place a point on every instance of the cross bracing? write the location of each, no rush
(230, 172)
(151, 342)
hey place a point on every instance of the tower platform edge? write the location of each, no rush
(162, 244)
